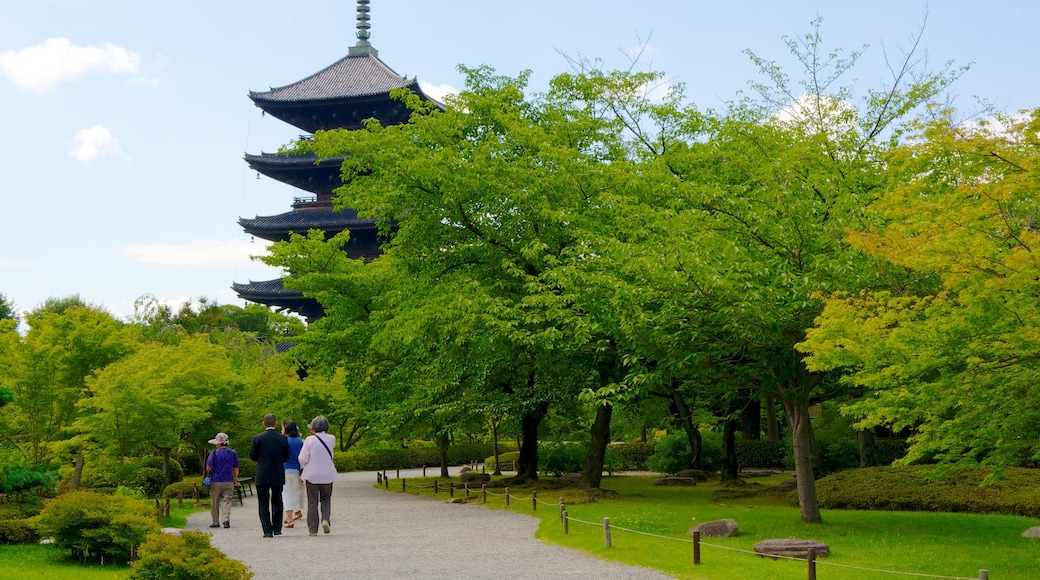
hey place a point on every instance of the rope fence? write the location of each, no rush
(608, 528)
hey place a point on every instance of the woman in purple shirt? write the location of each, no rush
(222, 466)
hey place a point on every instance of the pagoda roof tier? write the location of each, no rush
(354, 88)
(303, 171)
(272, 293)
(364, 234)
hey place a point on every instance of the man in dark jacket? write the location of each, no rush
(270, 449)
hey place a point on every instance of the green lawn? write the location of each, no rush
(863, 544)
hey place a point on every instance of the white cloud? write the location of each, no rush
(95, 143)
(148, 82)
(438, 92)
(42, 67)
(197, 253)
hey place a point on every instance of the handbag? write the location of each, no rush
(206, 481)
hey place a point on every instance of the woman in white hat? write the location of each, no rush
(222, 467)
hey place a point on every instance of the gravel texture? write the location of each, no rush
(378, 534)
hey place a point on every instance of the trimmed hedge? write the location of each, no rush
(920, 488)
(24, 531)
(762, 453)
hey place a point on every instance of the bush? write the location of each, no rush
(761, 453)
(557, 458)
(17, 478)
(922, 488)
(887, 451)
(98, 527)
(24, 531)
(246, 466)
(631, 455)
(156, 462)
(671, 454)
(149, 480)
(836, 454)
(408, 458)
(189, 556)
(185, 487)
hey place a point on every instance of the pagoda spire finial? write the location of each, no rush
(363, 46)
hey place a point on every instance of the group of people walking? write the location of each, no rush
(290, 472)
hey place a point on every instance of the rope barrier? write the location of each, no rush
(567, 518)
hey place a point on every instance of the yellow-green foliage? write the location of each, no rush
(189, 556)
(920, 488)
(506, 459)
(98, 527)
(22, 531)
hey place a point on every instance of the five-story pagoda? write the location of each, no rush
(341, 96)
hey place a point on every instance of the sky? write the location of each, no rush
(124, 122)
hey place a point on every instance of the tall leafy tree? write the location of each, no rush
(954, 357)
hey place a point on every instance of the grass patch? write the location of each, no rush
(942, 544)
(49, 562)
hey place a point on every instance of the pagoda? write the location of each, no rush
(340, 96)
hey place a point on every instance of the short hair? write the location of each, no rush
(270, 420)
(290, 428)
(320, 424)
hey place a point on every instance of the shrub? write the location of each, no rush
(887, 451)
(23, 531)
(246, 466)
(555, 459)
(632, 455)
(408, 458)
(761, 453)
(671, 454)
(96, 526)
(923, 488)
(17, 478)
(836, 453)
(156, 462)
(149, 480)
(100, 471)
(185, 487)
(189, 556)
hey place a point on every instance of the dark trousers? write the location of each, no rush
(319, 500)
(270, 498)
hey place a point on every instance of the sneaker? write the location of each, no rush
(312, 533)
(227, 524)
(325, 526)
(214, 525)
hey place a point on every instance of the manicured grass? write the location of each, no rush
(862, 543)
(48, 562)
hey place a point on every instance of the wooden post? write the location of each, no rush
(424, 470)
(810, 558)
(507, 495)
(386, 482)
(167, 507)
(403, 485)
(983, 574)
(379, 478)
(158, 511)
(696, 547)
(534, 501)
(466, 486)
(483, 492)
(565, 522)
(398, 473)
(606, 531)
(436, 487)
(180, 498)
(563, 509)
(451, 489)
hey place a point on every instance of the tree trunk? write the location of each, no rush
(693, 434)
(730, 466)
(494, 442)
(77, 469)
(166, 463)
(442, 454)
(801, 437)
(592, 469)
(751, 420)
(865, 438)
(772, 424)
(527, 463)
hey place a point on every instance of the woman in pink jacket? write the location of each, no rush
(319, 473)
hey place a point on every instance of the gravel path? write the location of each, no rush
(377, 534)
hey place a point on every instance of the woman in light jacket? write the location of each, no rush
(319, 473)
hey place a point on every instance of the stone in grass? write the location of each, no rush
(791, 547)
(474, 477)
(694, 473)
(716, 529)
(675, 481)
(1033, 532)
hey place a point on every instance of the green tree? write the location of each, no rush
(954, 357)
(7, 309)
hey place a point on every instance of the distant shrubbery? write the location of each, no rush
(412, 457)
(918, 488)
